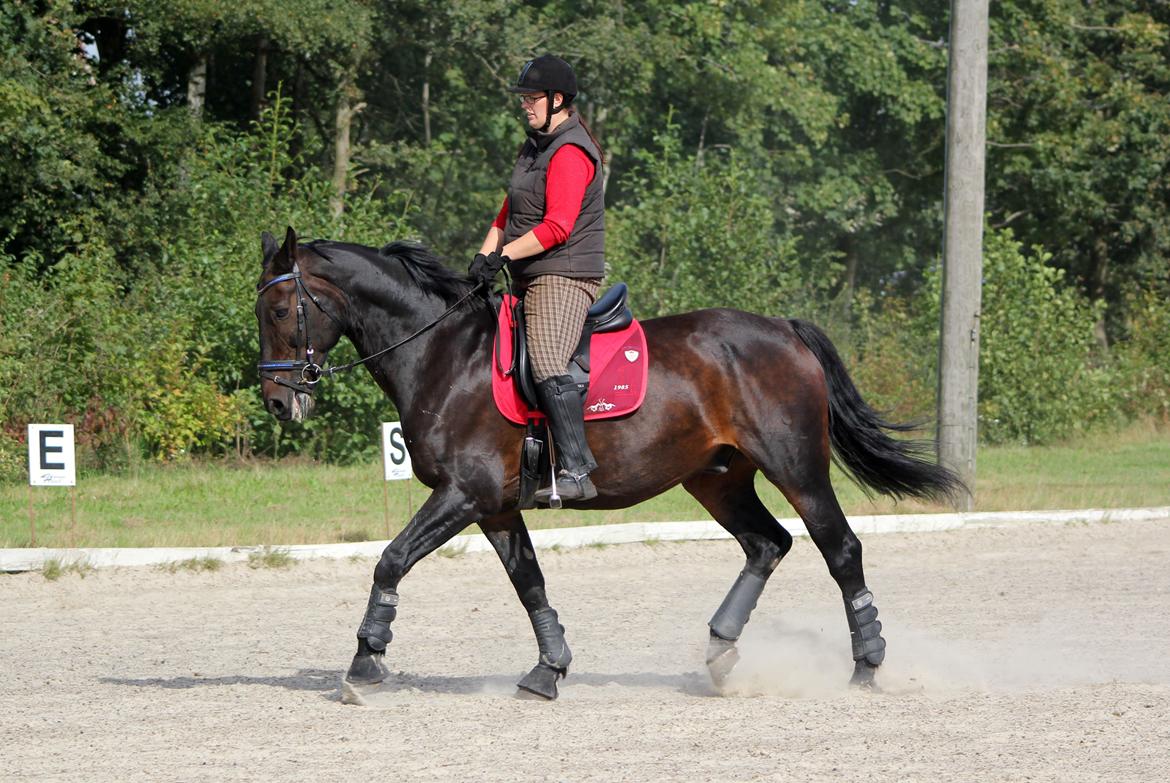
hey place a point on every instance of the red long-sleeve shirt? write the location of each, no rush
(569, 172)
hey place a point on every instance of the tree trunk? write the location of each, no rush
(348, 106)
(702, 141)
(426, 99)
(296, 143)
(259, 76)
(197, 85)
(849, 284)
(1099, 277)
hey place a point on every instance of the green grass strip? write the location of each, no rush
(291, 502)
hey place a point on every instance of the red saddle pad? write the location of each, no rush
(617, 378)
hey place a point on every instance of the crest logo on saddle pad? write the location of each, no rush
(632, 355)
(601, 405)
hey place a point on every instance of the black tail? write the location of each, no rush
(861, 446)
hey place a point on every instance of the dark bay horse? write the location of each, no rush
(729, 394)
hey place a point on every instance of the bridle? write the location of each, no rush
(311, 373)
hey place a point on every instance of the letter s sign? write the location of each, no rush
(395, 457)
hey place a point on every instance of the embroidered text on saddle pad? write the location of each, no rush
(617, 378)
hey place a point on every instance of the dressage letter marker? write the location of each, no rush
(396, 462)
(395, 457)
(51, 463)
(50, 455)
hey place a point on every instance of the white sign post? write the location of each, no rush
(395, 466)
(51, 463)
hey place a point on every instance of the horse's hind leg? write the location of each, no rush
(811, 494)
(512, 543)
(731, 499)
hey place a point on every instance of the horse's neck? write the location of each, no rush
(414, 371)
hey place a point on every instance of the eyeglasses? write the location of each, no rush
(529, 100)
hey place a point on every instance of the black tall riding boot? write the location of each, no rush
(564, 405)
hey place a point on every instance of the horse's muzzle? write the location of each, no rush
(293, 406)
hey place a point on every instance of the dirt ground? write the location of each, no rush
(1019, 653)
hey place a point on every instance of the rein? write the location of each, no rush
(311, 373)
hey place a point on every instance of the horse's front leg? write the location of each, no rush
(446, 512)
(510, 538)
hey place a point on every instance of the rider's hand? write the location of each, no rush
(484, 269)
(476, 267)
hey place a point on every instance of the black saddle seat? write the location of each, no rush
(610, 313)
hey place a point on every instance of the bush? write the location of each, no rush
(892, 353)
(1040, 377)
(65, 338)
(1143, 358)
(1041, 374)
(209, 235)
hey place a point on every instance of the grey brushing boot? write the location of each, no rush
(564, 405)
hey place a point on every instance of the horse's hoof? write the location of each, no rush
(366, 670)
(721, 659)
(863, 677)
(540, 682)
(355, 694)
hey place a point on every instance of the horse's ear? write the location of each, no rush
(269, 247)
(282, 262)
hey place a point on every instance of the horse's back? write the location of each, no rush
(720, 333)
(732, 361)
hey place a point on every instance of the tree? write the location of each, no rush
(1079, 136)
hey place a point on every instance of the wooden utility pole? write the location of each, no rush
(958, 379)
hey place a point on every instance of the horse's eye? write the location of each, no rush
(281, 313)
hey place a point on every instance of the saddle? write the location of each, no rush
(609, 361)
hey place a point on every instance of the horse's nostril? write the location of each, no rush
(275, 406)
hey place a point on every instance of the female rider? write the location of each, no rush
(551, 233)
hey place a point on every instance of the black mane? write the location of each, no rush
(424, 267)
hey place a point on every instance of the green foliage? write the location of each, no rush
(154, 351)
(1079, 126)
(892, 349)
(270, 557)
(1143, 359)
(1038, 378)
(798, 172)
(205, 238)
(59, 126)
(66, 338)
(699, 233)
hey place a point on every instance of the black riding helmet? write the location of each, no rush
(547, 74)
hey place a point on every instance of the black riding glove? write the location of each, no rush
(484, 269)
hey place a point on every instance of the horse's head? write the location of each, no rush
(297, 327)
